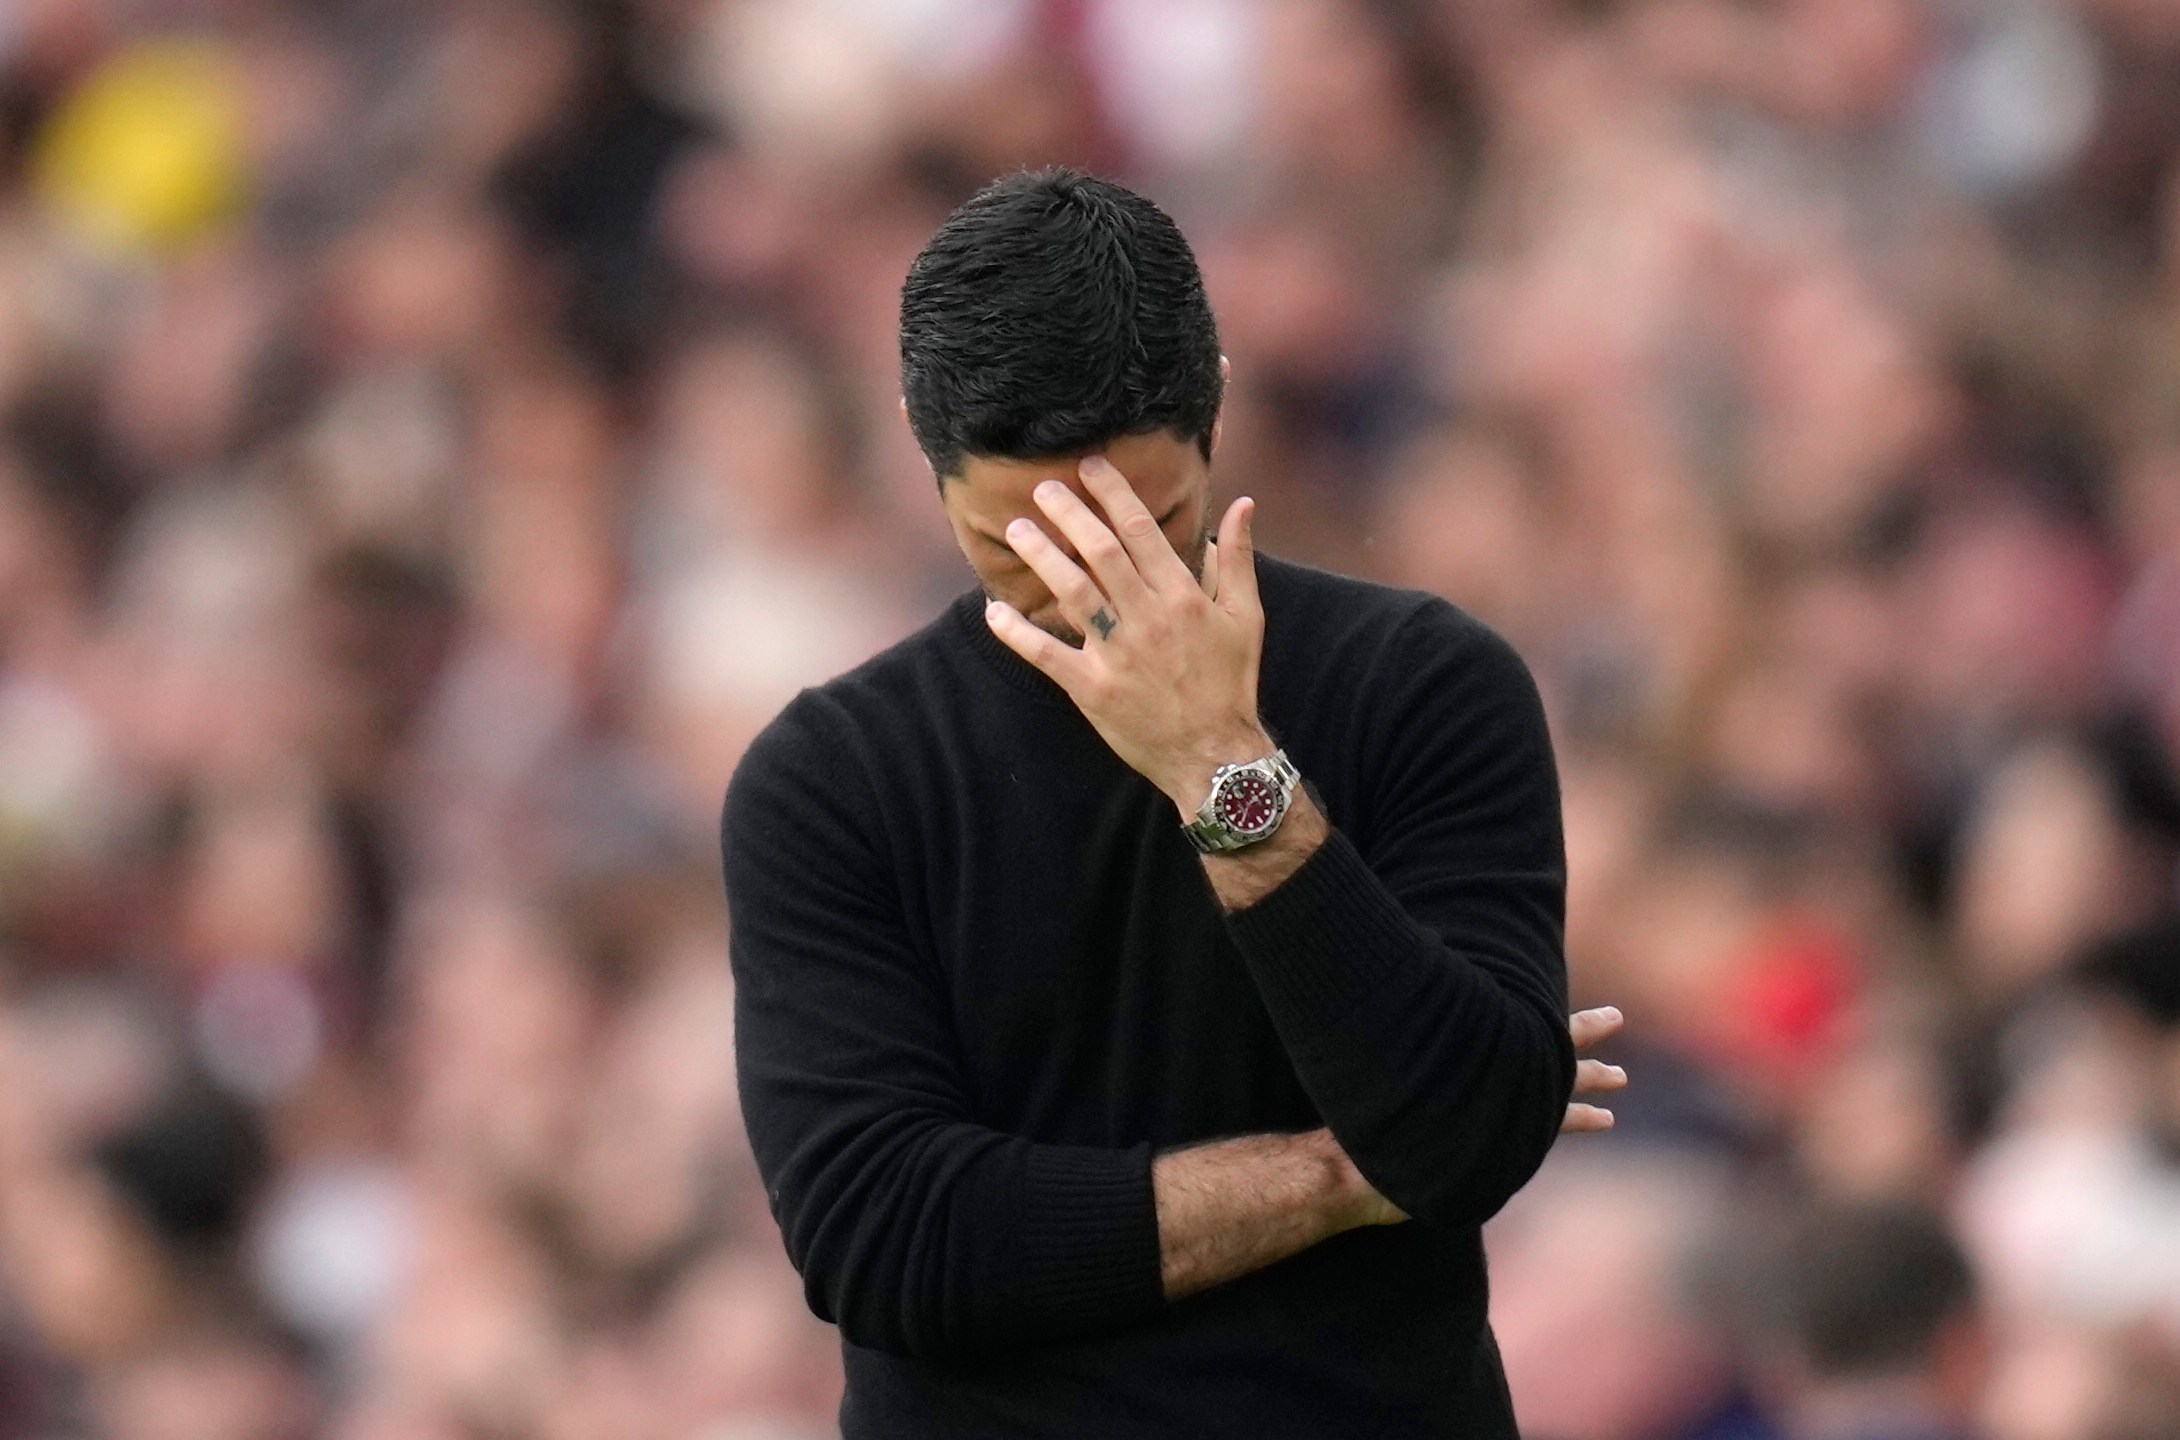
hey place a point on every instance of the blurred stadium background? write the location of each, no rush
(438, 433)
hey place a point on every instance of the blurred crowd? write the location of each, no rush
(435, 435)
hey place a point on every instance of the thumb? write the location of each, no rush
(1209, 576)
(1237, 591)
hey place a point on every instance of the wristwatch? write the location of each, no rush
(1245, 806)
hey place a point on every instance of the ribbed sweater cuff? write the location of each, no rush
(1325, 938)
(1090, 1237)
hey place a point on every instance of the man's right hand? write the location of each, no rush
(1593, 1077)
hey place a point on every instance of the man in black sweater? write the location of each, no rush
(1125, 958)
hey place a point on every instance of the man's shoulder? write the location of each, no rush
(1367, 623)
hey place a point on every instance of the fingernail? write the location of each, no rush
(1049, 489)
(1616, 1072)
(1019, 528)
(1093, 462)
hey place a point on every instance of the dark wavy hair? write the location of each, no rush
(1052, 313)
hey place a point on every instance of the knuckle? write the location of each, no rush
(1139, 526)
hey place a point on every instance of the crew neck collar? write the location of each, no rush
(967, 615)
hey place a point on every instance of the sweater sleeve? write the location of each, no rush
(915, 1229)
(1419, 983)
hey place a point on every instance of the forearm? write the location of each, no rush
(1435, 1053)
(1235, 1206)
(1240, 878)
(961, 1241)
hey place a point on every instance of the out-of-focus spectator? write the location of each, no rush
(1867, 1326)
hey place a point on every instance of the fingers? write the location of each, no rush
(1080, 600)
(1210, 577)
(1100, 548)
(1581, 1119)
(1133, 523)
(1591, 1026)
(1237, 558)
(1061, 661)
(1595, 1077)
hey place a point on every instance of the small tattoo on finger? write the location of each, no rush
(1104, 624)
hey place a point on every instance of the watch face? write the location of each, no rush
(1248, 802)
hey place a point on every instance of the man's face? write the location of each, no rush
(1170, 476)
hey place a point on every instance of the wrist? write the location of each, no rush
(1188, 784)
(1343, 1196)
(1241, 878)
(1347, 1201)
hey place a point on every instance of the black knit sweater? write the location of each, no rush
(981, 978)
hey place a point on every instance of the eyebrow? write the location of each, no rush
(1000, 541)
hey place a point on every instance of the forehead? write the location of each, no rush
(1161, 467)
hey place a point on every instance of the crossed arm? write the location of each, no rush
(1234, 1206)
